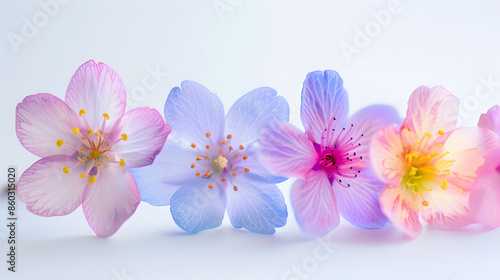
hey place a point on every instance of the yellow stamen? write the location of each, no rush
(208, 134)
(210, 186)
(245, 157)
(230, 148)
(83, 175)
(106, 116)
(220, 150)
(223, 142)
(193, 145)
(207, 146)
(246, 170)
(440, 132)
(66, 169)
(207, 158)
(445, 185)
(232, 167)
(198, 158)
(428, 134)
(90, 131)
(193, 165)
(122, 162)
(425, 203)
(92, 179)
(124, 136)
(241, 147)
(59, 143)
(82, 112)
(234, 174)
(76, 130)
(229, 136)
(223, 179)
(235, 188)
(198, 174)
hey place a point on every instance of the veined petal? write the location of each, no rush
(146, 134)
(192, 111)
(359, 204)
(196, 207)
(431, 110)
(48, 191)
(467, 147)
(367, 122)
(253, 111)
(258, 171)
(447, 209)
(111, 200)
(491, 120)
(386, 151)
(485, 196)
(400, 211)
(255, 206)
(285, 150)
(42, 120)
(97, 89)
(323, 98)
(315, 205)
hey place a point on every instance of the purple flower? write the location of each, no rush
(86, 143)
(331, 159)
(209, 163)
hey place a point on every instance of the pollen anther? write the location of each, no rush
(59, 142)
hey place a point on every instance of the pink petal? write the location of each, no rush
(49, 191)
(491, 120)
(111, 200)
(468, 146)
(323, 98)
(485, 196)
(367, 122)
(315, 204)
(42, 120)
(447, 209)
(97, 89)
(146, 134)
(285, 150)
(387, 155)
(400, 211)
(431, 110)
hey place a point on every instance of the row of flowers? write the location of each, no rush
(371, 168)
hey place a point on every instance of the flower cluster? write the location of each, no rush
(371, 168)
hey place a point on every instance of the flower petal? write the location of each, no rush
(258, 172)
(431, 110)
(192, 111)
(42, 120)
(447, 209)
(323, 98)
(491, 120)
(315, 205)
(367, 122)
(47, 190)
(255, 206)
(97, 89)
(146, 134)
(386, 151)
(485, 196)
(285, 150)
(253, 111)
(467, 147)
(400, 211)
(196, 207)
(359, 204)
(111, 200)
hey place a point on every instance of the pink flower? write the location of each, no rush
(485, 197)
(86, 143)
(429, 165)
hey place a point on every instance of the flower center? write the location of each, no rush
(95, 150)
(425, 165)
(218, 160)
(338, 156)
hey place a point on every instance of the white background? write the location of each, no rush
(256, 43)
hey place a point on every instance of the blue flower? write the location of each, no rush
(209, 162)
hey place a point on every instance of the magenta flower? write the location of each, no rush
(331, 159)
(86, 143)
(429, 166)
(485, 197)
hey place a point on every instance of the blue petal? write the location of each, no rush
(192, 111)
(196, 207)
(323, 98)
(258, 172)
(171, 169)
(254, 110)
(255, 206)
